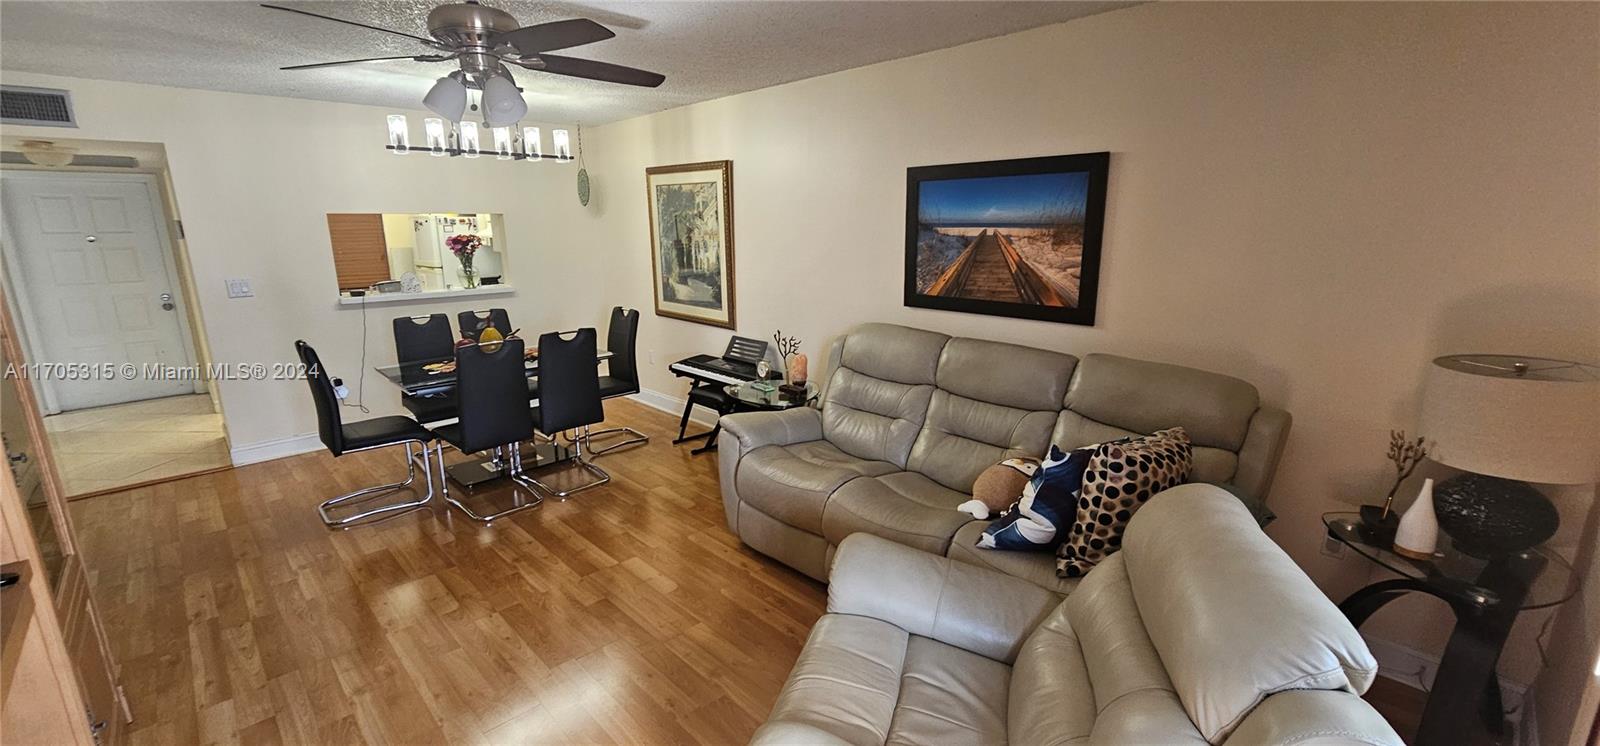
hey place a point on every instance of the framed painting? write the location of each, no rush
(691, 241)
(1017, 238)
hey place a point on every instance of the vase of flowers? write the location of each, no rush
(464, 246)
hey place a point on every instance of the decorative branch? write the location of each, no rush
(786, 346)
(1405, 454)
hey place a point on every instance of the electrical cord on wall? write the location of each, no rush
(361, 377)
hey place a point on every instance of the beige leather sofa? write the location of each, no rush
(909, 417)
(1200, 630)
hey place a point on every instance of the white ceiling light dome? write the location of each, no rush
(502, 102)
(46, 153)
(447, 97)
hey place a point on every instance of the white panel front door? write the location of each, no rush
(95, 278)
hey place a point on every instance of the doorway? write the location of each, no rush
(103, 302)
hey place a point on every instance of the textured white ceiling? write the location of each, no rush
(706, 49)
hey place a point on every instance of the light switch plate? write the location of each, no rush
(240, 288)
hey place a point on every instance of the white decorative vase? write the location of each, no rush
(1418, 534)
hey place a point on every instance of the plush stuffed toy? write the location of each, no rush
(999, 486)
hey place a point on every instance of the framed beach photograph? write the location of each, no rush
(691, 241)
(1017, 238)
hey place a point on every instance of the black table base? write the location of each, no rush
(1464, 703)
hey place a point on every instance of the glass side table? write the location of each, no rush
(752, 395)
(1486, 596)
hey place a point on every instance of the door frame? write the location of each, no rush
(26, 321)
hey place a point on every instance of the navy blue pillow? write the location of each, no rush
(1049, 505)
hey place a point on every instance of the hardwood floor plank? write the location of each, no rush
(627, 614)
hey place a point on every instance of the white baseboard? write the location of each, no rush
(267, 450)
(674, 405)
(1412, 667)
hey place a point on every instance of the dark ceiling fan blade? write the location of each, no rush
(429, 42)
(597, 71)
(547, 37)
(413, 58)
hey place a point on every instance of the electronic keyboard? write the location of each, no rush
(737, 364)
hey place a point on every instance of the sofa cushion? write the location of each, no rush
(1211, 465)
(792, 482)
(905, 507)
(949, 696)
(844, 687)
(1142, 397)
(864, 681)
(873, 418)
(1038, 568)
(1005, 374)
(1224, 643)
(961, 437)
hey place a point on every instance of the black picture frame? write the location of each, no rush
(1029, 280)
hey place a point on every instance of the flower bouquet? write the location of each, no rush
(464, 246)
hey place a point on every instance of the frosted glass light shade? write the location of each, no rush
(447, 98)
(399, 138)
(502, 102)
(561, 146)
(531, 146)
(1528, 419)
(469, 139)
(502, 143)
(433, 130)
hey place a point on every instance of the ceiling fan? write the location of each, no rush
(483, 41)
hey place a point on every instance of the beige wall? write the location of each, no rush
(1316, 198)
(255, 176)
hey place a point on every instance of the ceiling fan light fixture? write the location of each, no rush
(502, 102)
(447, 97)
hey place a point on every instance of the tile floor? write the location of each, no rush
(123, 444)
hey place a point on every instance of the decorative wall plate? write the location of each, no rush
(583, 187)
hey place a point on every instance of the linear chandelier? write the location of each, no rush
(502, 106)
(464, 139)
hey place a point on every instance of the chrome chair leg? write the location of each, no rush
(634, 438)
(368, 493)
(601, 477)
(513, 465)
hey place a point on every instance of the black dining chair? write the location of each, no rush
(622, 339)
(473, 323)
(569, 398)
(424, 339)
(342, 437)
(492, 391)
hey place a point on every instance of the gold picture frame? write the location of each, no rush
(690, 209)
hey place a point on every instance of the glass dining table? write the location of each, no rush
(437, 378)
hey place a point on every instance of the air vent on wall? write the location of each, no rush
(49, 107)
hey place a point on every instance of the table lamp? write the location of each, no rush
(1506, 421)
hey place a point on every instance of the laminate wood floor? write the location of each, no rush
(627, 614)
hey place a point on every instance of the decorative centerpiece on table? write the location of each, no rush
(1405, 453)
(794, 364)
(464, 246)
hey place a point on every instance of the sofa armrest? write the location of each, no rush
(969, 607)
(756, 429)
(1308, 717)
(1261, 451)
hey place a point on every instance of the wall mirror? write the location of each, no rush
(409, 252)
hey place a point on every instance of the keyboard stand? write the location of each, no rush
(712, 397)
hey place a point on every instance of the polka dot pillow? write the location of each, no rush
(1121, 476)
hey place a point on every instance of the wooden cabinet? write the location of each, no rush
(58, 682)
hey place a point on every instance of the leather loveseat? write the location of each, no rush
(1199, 631)
(909, 418)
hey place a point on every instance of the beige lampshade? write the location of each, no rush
(1529, 419)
